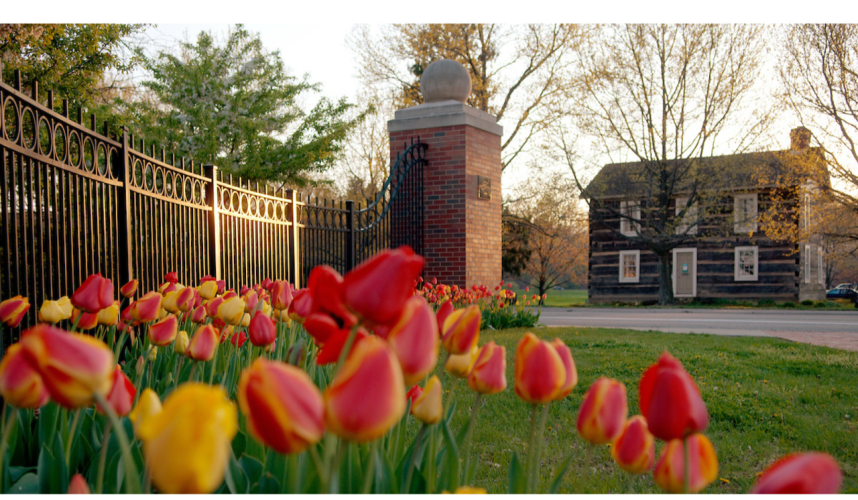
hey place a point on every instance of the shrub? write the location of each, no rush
(821, 303)
(766, 303)
(807, 302)
(788, 304)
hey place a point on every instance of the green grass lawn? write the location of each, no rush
(766, 398)
(560, 298)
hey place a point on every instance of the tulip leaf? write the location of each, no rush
(236, 479)
(267, 485)
(238, 443)
(517, 477)
(558, 475)
(48, 416)
(388, 475)
(452, 465)
(27, 484)
(52, 471)
(252, 467)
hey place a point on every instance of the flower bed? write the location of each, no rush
(272, 389)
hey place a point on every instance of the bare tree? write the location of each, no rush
(665, 97)
(516, 71)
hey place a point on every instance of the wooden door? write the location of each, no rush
(686, 273)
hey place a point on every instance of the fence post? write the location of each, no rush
(210, 171)
(123, 216)
(350, 237)
(294, 246)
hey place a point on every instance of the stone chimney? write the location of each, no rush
(799, 139)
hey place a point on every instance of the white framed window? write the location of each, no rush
(629, 209)
(747, 264)
(690, 216)
(820, 274)
(630, 266)
(807, 257)
(745, 213)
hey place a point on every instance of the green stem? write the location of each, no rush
(528, 464)
(370, 470)
(132, 481)
(538, 455)
(430, 472)
(193, 371)
(7, 430)
(325, 475)
(686, 476)
(75, 322)
(178, 371)
(320, 467)
(118, 346)
(71, 437)
(102, 459)
(346, 348)
(590, 451)
(406, 488)
(467, 441)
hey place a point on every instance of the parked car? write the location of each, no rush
(841, 293)
(850, 286)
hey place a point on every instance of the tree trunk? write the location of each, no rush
(542, 292)
(665, 280)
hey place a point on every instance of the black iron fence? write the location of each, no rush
(77, 202)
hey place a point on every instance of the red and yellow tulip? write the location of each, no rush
(603, 412)
(204, 343)
(262, 330)
(703, 465)
(94, 294)
(121, 395)
(670, 400)
(428, 407)
(461, 330)
(378, 288)
(414, 339)
(147, 308)
(129, 289)
(164, 331)
(12, 310)
(488, 376)
(20, 384)
(540, 373)
(634, 449)
(801, 473)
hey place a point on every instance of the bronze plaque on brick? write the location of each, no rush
(484, 186)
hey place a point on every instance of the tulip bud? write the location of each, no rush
(703, 465)
(207, 289)
(413, 394)
(52, 312)
(427, 407)
(129, 289)
(414, 339)
(603, 412)
(121, 395)
(459, 365)
(164, 332)
(187, 444)
(802, 473)
(73, 367)
(670, 400)
(78, 486)
(204, 343)
(245, 320)
(149, 404)
(272, 347)
(262, 330)
(109, 315)
(634, 448)
(231, 310)
(146, 308)
(301, 306)
(356, 414)
(284, 409)
(87, 321)
(295, 354)
(378, 288)
(540, 374)
(153, 354)
(12, 310)
(488, 376)
(20, 384)
(185, 299)
(461, 330)
(181, 344)
(140, 365)
(94, 294)
(443, 311)
(239, 339)
(281, 294)
(221, 285)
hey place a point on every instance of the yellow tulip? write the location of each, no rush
(148, 405)
(109, 315)
(181, 342)
(427, 407)
(52, 311)
(459, 365)
(169, 302)
(231, 311)
(208, 289)
(187, 444)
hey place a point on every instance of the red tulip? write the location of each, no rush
(239, 339)
(164, 332)
(171, 277)
(703, 464)
(603, 412)
(167, 287)
(634, 448)
(321, 327)
(353, 411)
(284, 408)
(12, 310)
(413, 394)
(461, 330)
(78, 486)
(444, 311)
(670, 400)
(129, 289)
(262, 330)
(378, 288)
(414, 339)
(121, 395)
(281, 293)
(266, 284)
(94, 294)
(203, 344)
(330, 352)
(221, 285)
(488, 376)
(326, 286)
(198, 315)
(87, 320)
(74, 367)
(20, 384)
(147, 308)
(301, 306)
(540, 375)
(801, 473)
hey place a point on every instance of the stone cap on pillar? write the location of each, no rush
(446, 86)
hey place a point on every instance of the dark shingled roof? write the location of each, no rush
(727, 172)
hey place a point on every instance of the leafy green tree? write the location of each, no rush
(234, 106)
(71, 59)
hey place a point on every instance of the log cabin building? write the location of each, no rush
(726, 254)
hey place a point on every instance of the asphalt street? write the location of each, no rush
(832, 328)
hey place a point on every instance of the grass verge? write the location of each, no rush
(766, 398)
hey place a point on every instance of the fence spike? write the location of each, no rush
(66, 108)
(51, 99)
(18, 80)
(106, 128)
(35, 90)
(92, 122)
(80, 115)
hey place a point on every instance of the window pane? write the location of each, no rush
(746, 263)
(629, 266)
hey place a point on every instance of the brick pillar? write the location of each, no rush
(462, 231)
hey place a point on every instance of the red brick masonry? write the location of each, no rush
(462, 243)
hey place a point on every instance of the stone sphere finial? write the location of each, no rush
(445, 80)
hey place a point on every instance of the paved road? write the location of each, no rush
(837, 329)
